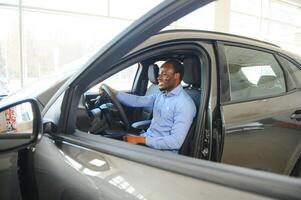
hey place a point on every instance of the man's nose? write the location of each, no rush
(159, 77)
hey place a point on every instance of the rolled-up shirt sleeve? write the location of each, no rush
(182, 121)
(136, 101)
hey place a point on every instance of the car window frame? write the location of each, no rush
(77, 136)
(227, 99)
(133, 79)
(281, 56)
(192, 47)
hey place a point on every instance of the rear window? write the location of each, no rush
(253, 74)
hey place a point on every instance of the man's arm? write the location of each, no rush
(182, 121)
(130, 99)
(136, 101)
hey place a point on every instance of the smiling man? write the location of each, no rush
(173, 110)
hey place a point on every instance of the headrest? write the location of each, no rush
(192, 75)
(153, 72)
(267, 81)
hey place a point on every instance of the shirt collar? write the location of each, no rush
(175, 92)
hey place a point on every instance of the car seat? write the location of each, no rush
(192, 77)
(153, 72)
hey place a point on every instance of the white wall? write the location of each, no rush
(38, 37)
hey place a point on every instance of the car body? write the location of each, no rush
(232, 125)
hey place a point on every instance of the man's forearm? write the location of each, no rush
(134, 100)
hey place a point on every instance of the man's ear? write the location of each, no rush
(177, 76)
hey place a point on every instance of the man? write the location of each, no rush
(173, 110)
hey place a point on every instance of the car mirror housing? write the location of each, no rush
(20, 125)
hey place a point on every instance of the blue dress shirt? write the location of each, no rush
(173, 113)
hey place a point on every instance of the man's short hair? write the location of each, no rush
(177, 66)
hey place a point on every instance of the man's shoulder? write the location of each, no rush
(185, 94)
(186, 99)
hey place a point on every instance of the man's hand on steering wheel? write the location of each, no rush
(102, 92)
(111, 93)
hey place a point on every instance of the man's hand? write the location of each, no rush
(103, 93)
(134, 139)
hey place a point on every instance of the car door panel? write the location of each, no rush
(261, 134)
(68, 171)
(56, 175)
(9, 181)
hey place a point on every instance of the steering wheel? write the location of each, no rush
(120, 109)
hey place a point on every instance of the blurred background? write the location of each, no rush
(41, 37)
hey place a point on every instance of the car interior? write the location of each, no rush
(107, 117)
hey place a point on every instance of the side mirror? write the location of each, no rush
(20, 125)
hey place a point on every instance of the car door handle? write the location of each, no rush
(296, 115)
(245, 127)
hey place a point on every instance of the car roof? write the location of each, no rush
(178, 34)
(219, 36)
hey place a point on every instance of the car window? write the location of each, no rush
(253, 73)
(121, 81)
